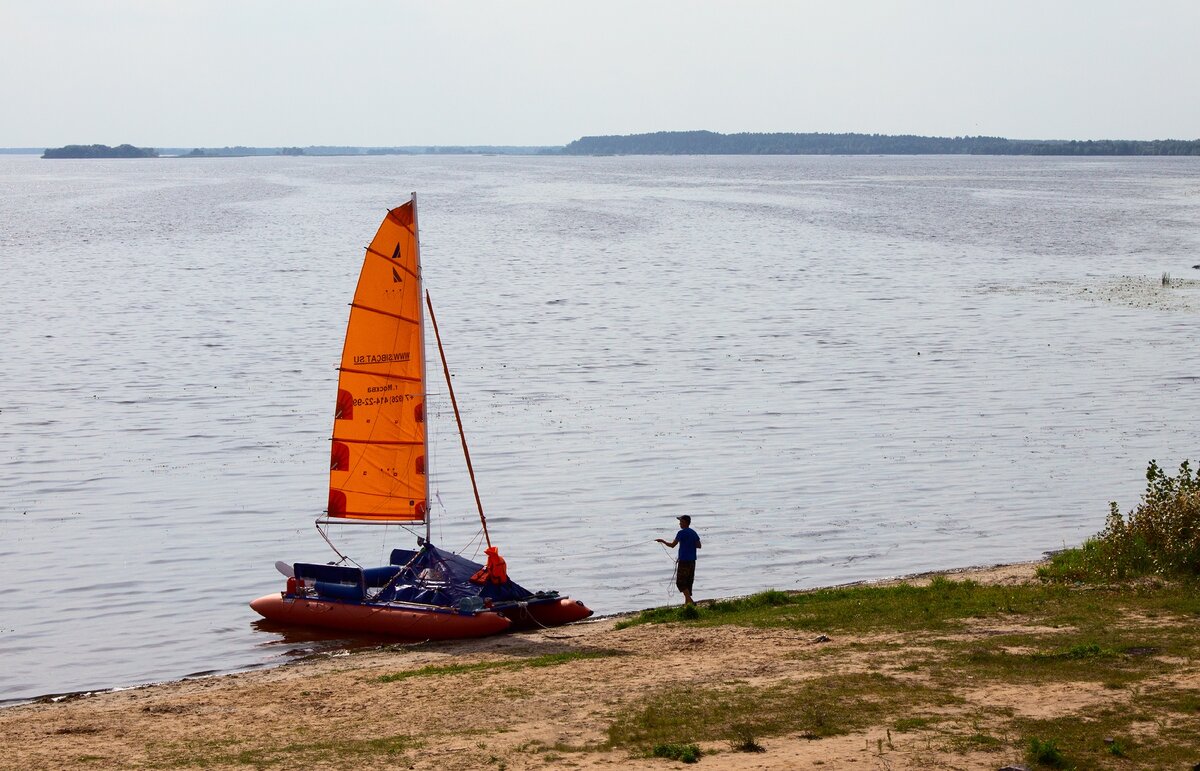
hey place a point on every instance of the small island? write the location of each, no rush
(99, 151)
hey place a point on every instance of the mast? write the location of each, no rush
(421, 348)
(461, 434)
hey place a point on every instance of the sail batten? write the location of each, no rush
(390, 258)
(409, 378)
(385, 313)
(379, 442)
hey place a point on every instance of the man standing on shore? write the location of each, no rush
(685, 568)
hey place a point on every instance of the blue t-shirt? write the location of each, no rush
(687, 539)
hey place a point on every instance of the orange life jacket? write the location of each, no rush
(496, 569)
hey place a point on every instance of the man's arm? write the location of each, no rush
(664, 543)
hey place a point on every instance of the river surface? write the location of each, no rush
(842, 368)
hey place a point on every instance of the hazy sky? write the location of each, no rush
(369, 72)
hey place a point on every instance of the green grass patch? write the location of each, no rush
(994, 660)
(1101, 738)
(745, 739)
(721, 608)
(1076, 653)
(977, 742)
(1181, 702)
(825, 706)
(548, 660)
(906, 724)
(1090, 633)
(1046, 753)
(685, 753)
(943, 604)
(292, 755)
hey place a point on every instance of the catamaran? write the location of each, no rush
(378, 476)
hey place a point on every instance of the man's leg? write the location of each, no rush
(686, 573)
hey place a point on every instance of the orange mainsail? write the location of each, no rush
(377, 469)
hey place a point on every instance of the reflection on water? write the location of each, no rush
(302, 642)
(843, 368)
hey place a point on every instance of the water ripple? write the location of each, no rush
(843, 368)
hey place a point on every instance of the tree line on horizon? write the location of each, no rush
(238, 151)
(706, 143)
(99, 151)
(712, 143)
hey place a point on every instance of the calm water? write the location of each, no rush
(843, 368)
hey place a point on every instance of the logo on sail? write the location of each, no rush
(382, 358)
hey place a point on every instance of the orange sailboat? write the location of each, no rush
(378, 475)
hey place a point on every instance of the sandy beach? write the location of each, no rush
(340, 711)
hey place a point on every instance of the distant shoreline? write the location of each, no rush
(712, 143)
(682, 143)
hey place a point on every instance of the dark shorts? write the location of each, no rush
(685, 573)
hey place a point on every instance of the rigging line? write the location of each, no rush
(387, 553)
(402, 571)
(608, 550)
(383, 541)
(407, 529)
(472, 542)
(441, 522)
(344, 558)
(533, 618)
(674, 570)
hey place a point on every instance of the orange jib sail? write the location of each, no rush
(377, 468)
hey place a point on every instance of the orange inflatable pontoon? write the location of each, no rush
(411, 623)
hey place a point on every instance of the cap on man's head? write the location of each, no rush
(684, 519)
